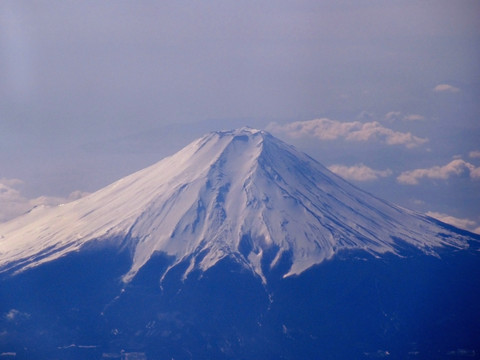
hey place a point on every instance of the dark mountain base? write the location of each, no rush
(355, 307)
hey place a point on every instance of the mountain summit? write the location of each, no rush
(240, 193)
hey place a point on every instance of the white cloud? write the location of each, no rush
(398, 116)
(359, 172)
(326, 129)
(466, 224)
(446, 88)
(455, 167)
(393, 116)
(474, 154)
(414, 117)
(475, 173)
(13, 203)
(366, 116)
(14, 315)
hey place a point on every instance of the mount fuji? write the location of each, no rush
(238, 246)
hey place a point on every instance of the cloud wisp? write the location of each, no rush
(327, 129)
(359, 172)
(446, 88)
(466, 224)
(15, 315)
(13, 203)
(398, 116)
(474, 154)
(454, 168)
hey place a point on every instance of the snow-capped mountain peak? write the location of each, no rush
(240, 193)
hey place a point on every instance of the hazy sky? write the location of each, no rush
(385, 93)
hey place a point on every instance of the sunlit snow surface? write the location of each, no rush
(219, 193)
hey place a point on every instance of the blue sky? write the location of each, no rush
(383, 93)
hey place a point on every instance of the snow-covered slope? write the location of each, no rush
(238, 193)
